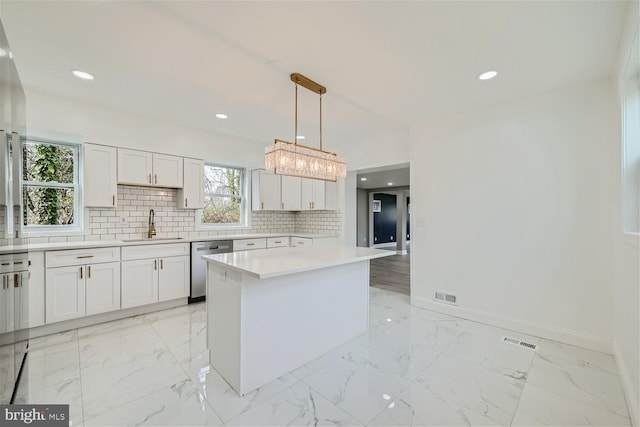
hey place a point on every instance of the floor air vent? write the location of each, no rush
(444, 297)
(520, 343)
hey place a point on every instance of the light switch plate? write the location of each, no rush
(421, 221)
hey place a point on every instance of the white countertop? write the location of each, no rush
(266, 263)
(157, 240)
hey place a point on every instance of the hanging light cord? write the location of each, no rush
(320, 121)
(295, 137)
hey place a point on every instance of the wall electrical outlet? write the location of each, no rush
(123, 218)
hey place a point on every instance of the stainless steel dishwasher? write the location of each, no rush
(199, 266)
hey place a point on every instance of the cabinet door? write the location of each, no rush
(265, 191)
(139, 282)
(21, 298)
(65, 293)
(4, 158)
(167, 171)
(306, 194)
(135, 167)
(291, 193)
(36, 289)
(100, 176)
(318, 194)
(331, 196)
(6, 303)
(103, 288)
(191, 196)
(174, 280)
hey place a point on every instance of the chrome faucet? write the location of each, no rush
(152, 224)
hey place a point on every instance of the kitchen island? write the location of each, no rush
(272, 311)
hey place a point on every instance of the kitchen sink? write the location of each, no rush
(173, 239)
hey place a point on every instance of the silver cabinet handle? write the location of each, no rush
(277, 242)
(161, 265)
(89, 272)
(250, 244)
(113, 200)
(81, 272)
(149, 178)
(186, 203)
(155, 264)
(84, 256)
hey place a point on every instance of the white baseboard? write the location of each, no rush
(404, 252)
(629, 393)
(82, 322)
(567, 336)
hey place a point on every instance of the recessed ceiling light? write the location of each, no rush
(221, 116)
(82, 74)
(389, 183)
(488, 75)
(363, 179)
(301, 137)
(3, 52)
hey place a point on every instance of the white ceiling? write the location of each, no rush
(385, 63)
(397, 175)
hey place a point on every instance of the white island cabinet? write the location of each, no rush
(271, 311)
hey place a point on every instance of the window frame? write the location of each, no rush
(244, 204)
(76, 186)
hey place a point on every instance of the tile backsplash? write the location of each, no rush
(129, 220)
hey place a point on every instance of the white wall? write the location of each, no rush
(511, 211)
(626, 325)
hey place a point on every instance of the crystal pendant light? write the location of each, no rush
(293, 159)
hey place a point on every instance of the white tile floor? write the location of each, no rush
(414, 367)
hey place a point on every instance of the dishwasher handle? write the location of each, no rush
(213, 248)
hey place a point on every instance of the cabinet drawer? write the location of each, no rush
(301, 241)
(154, 251)
(248, 244)
(14, 262)
(81, 257)
(277, 242)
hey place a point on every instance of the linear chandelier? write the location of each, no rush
(293, 159)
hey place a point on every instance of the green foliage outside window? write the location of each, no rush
(48, 183)
(223, 195)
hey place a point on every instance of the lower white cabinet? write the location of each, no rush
(65, 296)
(155, 273)
(173, 279)
(139, 282)
(77, 291)
(7, 314)
(102, 288)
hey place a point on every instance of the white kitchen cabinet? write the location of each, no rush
(330, 196)
(301, 241)
(191, 196)
(173, 279)
(312, 191)
(21, 299)
(7, 316)
(139, 282)
(36, 289)
(102, 288)
(65, 295)
(100, 176)
(81, 282)
(167, 170)
(291, 193)
(135, 167)
(153, 273)
(249, 244)
(265, 191)
(277, 242)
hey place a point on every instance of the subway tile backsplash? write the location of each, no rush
(129, 220)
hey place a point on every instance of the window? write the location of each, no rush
(224, 196)
(50, 185)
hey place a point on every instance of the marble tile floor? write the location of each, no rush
(413, 368)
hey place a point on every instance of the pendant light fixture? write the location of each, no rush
(293, 159)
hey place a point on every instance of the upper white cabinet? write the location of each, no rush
(312, 194)
(100, 176)
(291, 193)
(4, 174)
(167, 170)
(149, 169)
(135, 167)
(191, 196)
(265, 191)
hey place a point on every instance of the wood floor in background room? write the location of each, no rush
(391, 273)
